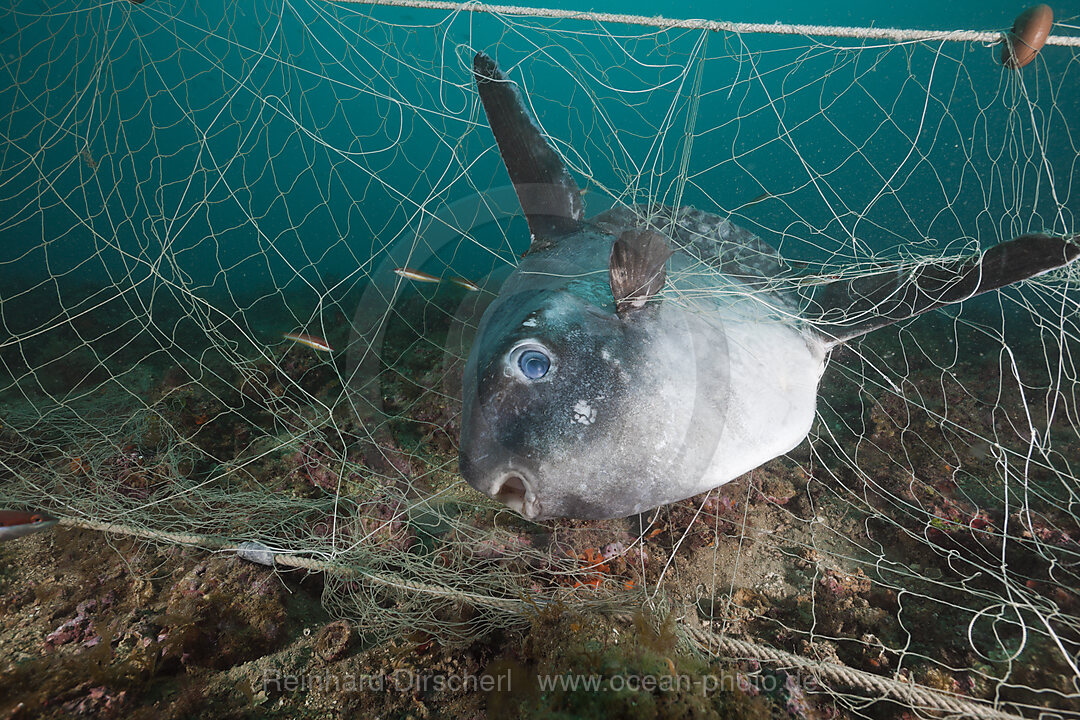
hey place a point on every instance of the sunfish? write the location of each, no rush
(15, 524)
(649, 353)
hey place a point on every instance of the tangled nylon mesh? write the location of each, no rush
(182, 184)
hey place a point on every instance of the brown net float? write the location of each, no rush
(1028, 35)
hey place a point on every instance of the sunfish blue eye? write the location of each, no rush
(534, 364)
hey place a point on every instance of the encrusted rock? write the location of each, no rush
(333, 640)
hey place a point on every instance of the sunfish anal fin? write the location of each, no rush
(636, 270)
(547, 192)
(846, 309)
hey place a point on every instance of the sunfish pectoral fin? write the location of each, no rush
(846, 309)
(546, 190)
(636, 270)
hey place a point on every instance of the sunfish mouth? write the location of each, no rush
(514, 491)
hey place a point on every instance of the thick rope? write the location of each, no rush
(918, 696)
(399, 583)
(910, 694)
(658, 21)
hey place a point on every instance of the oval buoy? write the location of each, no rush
(1028, 35)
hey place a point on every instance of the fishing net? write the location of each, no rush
(182, 184)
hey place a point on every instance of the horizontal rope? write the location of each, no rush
(659, 21)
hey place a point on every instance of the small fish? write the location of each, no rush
(14, 524)
(468, 285)
(763, 196)
(313, 342)
(410, 274)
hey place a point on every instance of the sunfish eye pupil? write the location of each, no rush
(534, 364)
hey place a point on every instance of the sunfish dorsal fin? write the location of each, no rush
(846, 309)
(547, 192)
(636, 269)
